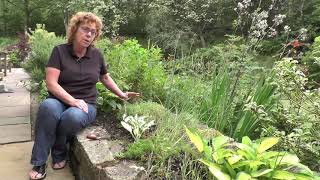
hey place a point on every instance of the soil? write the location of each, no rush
(113, 126)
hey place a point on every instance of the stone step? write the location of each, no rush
(15, 133)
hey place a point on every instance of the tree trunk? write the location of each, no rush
(301, 12)
(66, 18)
(27, 14)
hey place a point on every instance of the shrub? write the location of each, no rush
(184, 93)
(295, 118)
(6, 41)
(42, 43)
(312, 62)
(272, 46)
(137, 69)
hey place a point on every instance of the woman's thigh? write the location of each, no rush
(50, 111)
(73, 119)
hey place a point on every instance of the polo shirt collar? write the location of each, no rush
(87, 55)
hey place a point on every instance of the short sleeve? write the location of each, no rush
(54, 60)
(104, 65)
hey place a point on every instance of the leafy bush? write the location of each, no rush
(230, 160)
(184, 93)
(106, 100)
(295, 118)
(6, 41)
(137, 69)
(42, 43)
(205, 61)
(272, 46)
(312, 62)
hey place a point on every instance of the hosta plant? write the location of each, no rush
(227, 159)
(136, 125)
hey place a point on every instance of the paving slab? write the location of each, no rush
(14, 164)
(15, 120)
(15, 99)
(15, 133)
(14, 111)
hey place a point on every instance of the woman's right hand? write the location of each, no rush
(81, 104)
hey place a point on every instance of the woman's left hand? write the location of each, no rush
(128, 95)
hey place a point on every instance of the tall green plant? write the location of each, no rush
(217, 107)
(258, 104)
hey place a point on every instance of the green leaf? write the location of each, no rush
(270, 154)
(279, 174)
(304, 169)
(243, 176)
(290, 159)
(247, 151)
(216, 170)
(261, 172)
(267, 143)
(301, 176)
(219, 141)
(230, 169)
(195, 139)
(246, 140)
(234, 159)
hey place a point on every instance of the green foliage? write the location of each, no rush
(187, 24)
(312, 62)
(137, 69)
(150, 109)
(14, 59)
(43, 91)
(230, 160)
(167, 140)
(272, 46)
(106, 100)
(42, 43)
(203, 62)
(6, 41)
(178, 88)
(217, 109)
(295, 118)
(256, 108)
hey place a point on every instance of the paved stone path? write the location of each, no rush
(15, 109)
(15, 132)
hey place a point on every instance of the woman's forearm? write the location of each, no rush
(108, 82)
(60, 93)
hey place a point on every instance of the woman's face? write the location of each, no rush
(85, 34)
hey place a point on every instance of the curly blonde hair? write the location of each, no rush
(83, 18)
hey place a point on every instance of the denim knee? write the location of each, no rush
(74, 119)
(49, 114)
(51, 107)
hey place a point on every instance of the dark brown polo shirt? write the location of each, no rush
(78, 76)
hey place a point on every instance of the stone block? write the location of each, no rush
(96, 159)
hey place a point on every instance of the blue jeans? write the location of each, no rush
(55, 123)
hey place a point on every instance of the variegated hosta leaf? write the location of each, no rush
(126, 126)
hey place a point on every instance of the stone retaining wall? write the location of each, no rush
(95, 159)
